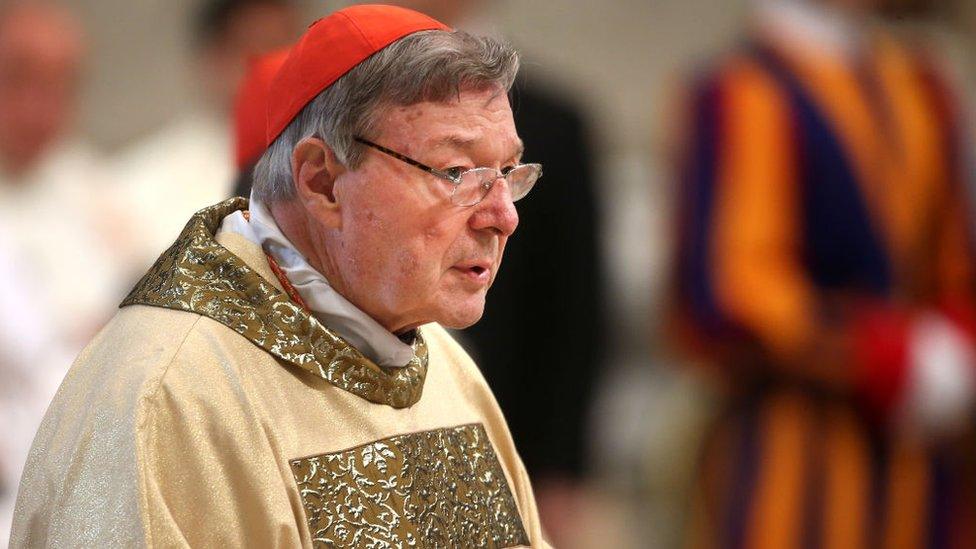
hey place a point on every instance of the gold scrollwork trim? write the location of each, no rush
(199, 275)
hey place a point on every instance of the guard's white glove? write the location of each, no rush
(941, 377)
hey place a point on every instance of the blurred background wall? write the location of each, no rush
(614, 53)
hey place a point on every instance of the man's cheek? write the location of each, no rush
(433, 234)
(406, 264)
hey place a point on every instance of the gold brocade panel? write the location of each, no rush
(439, 488)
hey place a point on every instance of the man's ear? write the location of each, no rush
(314, 169)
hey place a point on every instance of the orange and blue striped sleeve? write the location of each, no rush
(740, 271)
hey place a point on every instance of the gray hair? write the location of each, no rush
(424, 66)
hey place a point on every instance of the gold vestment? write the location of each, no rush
(214, 412)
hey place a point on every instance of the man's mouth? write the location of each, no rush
(476, 272)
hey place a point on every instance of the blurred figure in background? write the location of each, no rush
(57, 273)
(188, 164)
(549, 292)
(826, 271)
(251, 116)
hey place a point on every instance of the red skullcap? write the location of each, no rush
(330, 48)
(251, 107)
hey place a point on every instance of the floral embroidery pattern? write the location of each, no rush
(440, 488)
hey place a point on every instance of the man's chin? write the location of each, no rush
(462, 317)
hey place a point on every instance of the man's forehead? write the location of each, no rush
(472, 121)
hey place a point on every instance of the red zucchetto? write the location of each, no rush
(251, 107)
(330, 48)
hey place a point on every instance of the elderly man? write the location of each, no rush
(280, 377)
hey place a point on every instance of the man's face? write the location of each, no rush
(404, 253)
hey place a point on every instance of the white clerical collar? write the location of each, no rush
(811, 25)
(331, 309)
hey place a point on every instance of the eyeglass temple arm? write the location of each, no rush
(408, 160)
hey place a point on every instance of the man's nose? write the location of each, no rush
(496, 210)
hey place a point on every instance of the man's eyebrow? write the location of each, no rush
(455, 141)
(460, 142)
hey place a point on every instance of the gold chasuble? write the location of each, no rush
(212, 411)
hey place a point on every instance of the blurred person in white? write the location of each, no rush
(188, 164)
(31, 367)
(53, 215)
(536, 312)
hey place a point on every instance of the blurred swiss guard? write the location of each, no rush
(281, 376)
(826, 274)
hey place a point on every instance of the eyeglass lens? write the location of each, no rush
(476, 184)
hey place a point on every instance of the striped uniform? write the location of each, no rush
(809, 186)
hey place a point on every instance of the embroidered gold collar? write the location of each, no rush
(199, 275)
